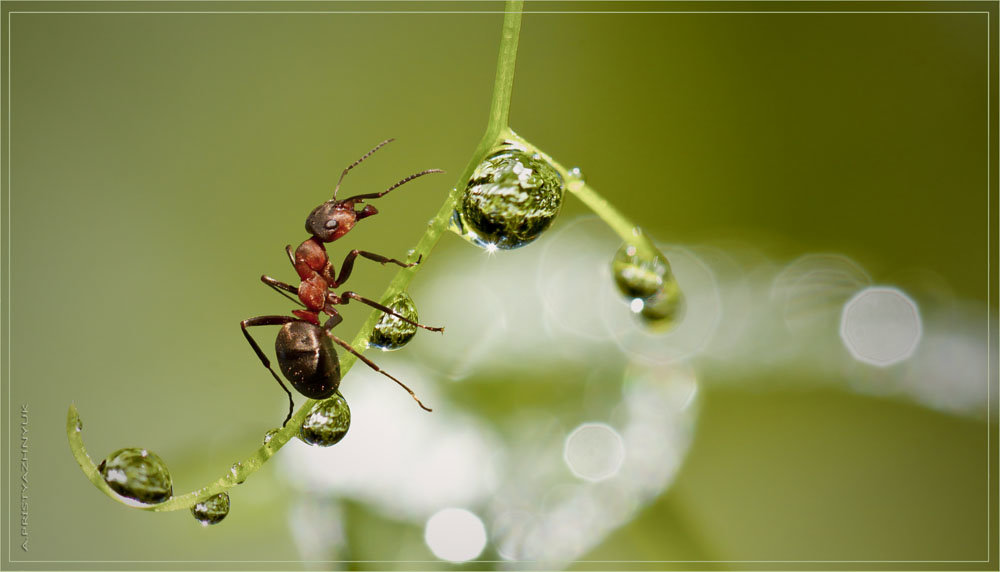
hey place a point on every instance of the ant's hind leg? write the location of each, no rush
(354, 296)
(348, 266)
(268, 321)
(372, 365)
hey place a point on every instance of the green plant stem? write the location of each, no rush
(495, 128)
(623, 227)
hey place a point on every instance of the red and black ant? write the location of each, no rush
(305, 351)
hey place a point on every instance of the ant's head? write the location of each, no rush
(333, 219)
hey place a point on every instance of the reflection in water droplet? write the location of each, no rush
(576, 175)
(510, 200)
(211, 510)
(137, 474)
(327, 423)
(392, 333)
(270, 435)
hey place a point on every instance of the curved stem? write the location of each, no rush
(495, 129)
(623, 227)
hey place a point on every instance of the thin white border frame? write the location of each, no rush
(989, 133)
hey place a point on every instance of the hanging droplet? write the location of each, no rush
(512, 197)
(638, 276)
(270, 435)
(649, 285)
(665, 309)
(79, 425)
(137, 474)
(392, 333)
(211, 510)
(327, 423)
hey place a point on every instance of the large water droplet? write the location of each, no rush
(392, 333)
(211, 510)
(327, 423)
(137, 474)
(512, 197)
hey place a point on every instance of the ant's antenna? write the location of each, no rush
(356, 163)
(399, 184)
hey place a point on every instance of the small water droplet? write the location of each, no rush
(664, 310)
(392, 333)
(649, 285)
(327, 422)
(638, 276)
(270, 435)
(576, 174)
(137, 474)
(79, 425)
(211, 510)
(235, 471)
(510, 200)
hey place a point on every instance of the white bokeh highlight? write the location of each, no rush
(881, 326)
(455, 534)
(594, 452)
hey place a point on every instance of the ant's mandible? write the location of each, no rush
(305, 350)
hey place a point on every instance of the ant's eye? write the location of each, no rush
(331, 224)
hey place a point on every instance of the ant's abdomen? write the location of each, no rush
(307, 359)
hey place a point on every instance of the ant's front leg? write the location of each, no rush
(281, 288)
(347, 296)
(348, 265)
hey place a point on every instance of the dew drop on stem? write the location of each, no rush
(392, 333)
(211, 510)
(137, 474)
(512, 197)
(646, 281)
(327, 422)
(269, 435)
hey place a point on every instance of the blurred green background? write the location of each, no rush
(159, 162)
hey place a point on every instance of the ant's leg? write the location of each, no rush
(372, 365)
(268, 321)
(291, 253)
(348, 266)
(279, 287)
(335, 318)
(354, 296)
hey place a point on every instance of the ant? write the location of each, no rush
(305, 350)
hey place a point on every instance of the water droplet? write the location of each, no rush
(137, 474)
(665, 309)
(649, 285)
(270, 435)
(392, 333)
(235, 471)
(510, 200)
(576, 174)
(638, 276)
(79, 425)
(327, 423)
(211, 510)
